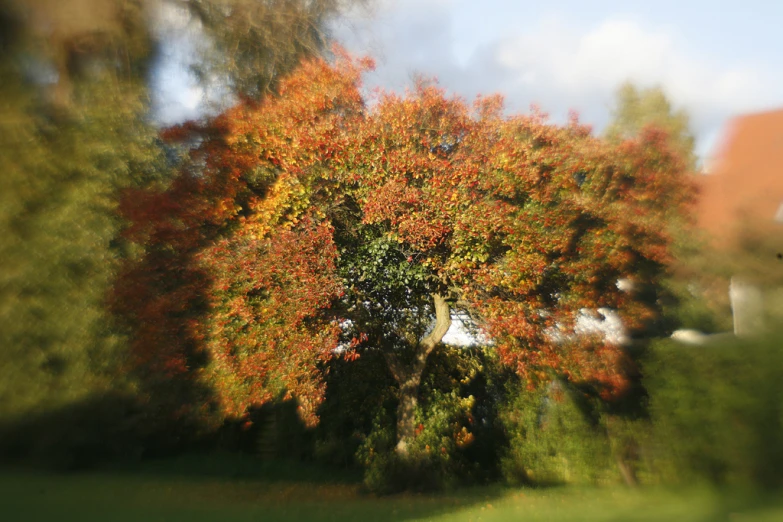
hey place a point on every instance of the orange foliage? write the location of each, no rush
(526, 221)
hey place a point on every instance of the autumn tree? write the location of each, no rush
(311, 224)
(518, 223)
(238, 263)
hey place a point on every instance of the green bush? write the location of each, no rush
(356, 392)
(457, 437)
(716, 410)
(81, 435)
(555, 437)
(434, 459)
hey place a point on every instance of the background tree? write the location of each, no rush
(257, 43)
(689, 296)
(72, 132)
(636, 108)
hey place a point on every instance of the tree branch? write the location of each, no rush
(442, 325)
(411, 374)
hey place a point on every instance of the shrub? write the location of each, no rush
(357, 393)
(716, 410)
(457, 438)
(555, 437)
(434, 459)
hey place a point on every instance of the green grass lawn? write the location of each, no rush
(196, 490)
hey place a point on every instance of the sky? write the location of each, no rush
(177, 94)
(714, 59)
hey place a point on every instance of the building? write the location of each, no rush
(741, 199)
(743, 190)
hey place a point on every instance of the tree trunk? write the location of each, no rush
(627, 472)
(406, 414)
(408, 376)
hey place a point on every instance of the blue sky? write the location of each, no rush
(715, 59)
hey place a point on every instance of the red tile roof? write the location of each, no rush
(745, 187)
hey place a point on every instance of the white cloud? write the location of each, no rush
(551, 62)
(562, 66)
(178, 94)
(586, 67)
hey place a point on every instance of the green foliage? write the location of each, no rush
(716, 411)
(758, 260)
(273, 431)
(695, 295)
(555, 437)
(457, 436)
(386, 293)
(259, 42)
(686, 305)
(433, 460)
(66, 148)
(58, 238)
(80, 434)
(638, 108)
(356, 391)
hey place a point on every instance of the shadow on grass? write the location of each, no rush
(101, 496)
(199, 488)
(98, 460)
(231, 466)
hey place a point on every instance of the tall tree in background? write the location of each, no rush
(681, 304)
(258, 42)
(309, 224)
(72, 132)
(637, 108)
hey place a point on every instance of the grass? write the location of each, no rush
(204, 489)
